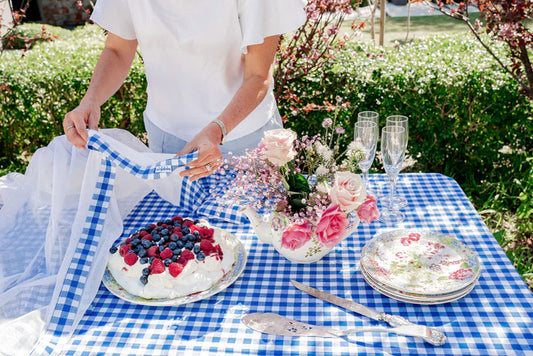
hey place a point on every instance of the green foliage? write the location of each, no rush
(467, 118)
(38, 87)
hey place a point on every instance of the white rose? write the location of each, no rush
(279, 146)
(348, 191)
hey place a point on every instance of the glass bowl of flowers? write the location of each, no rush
(301, 195)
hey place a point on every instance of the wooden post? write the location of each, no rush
(382, 22)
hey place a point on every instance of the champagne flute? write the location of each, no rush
(393, 140)
(367, 133)
(368, 116)
(403, 121)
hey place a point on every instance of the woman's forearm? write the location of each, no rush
(111, 69)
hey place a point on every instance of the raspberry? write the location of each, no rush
(194, 228)
(206, 233)
(177, 218)
(128, 240)
(187, 223)
(153, 250)
(147, 237)
(130, 259)
(157, 266)
(124, 249)
(142, 233)
(186, 254)
(175, 269)
(206, 246)
(166, 253)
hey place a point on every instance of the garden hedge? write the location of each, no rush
(467, 118)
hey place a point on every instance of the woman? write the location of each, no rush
(208, 65)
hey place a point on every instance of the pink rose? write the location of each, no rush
(348, 191)
(296, 235)
(368, 211)
(279, 146)
(332, 225)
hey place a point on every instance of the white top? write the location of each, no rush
(193, 52)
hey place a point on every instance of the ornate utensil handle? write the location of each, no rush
(435, 337)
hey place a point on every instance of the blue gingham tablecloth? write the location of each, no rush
(496, 318)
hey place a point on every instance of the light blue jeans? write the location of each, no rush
(161, 141)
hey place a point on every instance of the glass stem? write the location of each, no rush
(392, 190)
(365, 179)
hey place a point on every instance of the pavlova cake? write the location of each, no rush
(171, 259)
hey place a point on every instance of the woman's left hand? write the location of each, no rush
(209, 156)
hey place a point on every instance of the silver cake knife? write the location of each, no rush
(434, 336)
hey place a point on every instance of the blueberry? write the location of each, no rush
(161, 248)
(200, 256)
(136, 249)
(113, 249)
(146, 271)
(165, 232)
(144, 260)
(189, 245)
(174, 237)
(177, 251)
(191, 237)
(177, 223)
(167, 262)
(142, 252)
(156, 237)
(185, 230)
(196, 222)
(168, 222)
(151, 259)
(196, 233)
(172, 245)
(144, 279)
(180, 243)
(135, 241)
(196, 248)
(146, 243)
(175, 258)
(149, 228)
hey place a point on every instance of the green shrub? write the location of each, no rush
(467, 118)
(38, 87)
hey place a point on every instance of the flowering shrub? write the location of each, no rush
(306, 181)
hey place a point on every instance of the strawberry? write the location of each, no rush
(124, 249)
(157, 266)
(153, 251)
(175, 269)
(130, 259)
(166, 253)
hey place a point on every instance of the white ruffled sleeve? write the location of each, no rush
(264, 18)
(114, 16)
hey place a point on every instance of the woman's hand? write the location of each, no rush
(209, 156)
(75, 124)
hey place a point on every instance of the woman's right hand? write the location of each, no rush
(75, 124)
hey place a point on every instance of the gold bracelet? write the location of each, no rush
(222, 129)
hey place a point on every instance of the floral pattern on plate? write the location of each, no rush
(231, 276)
(420, 262)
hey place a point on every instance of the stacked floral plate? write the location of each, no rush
(419, 266)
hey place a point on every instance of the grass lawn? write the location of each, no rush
(419, 28)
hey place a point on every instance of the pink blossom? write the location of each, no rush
(278, 146)
(368, 211)
(462, 274)
(332, 225)
(296, 235)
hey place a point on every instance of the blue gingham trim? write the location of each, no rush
(156, 171)
(494, 319)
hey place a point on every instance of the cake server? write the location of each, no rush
(275, 324)
(431, 335)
